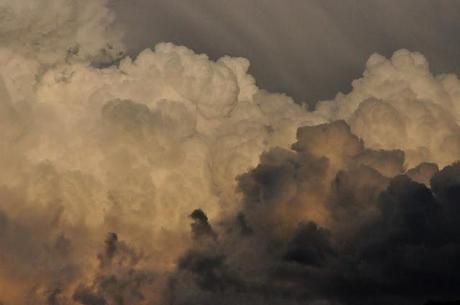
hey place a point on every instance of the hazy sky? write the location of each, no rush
(309, 49)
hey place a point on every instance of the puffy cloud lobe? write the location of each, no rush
(200, 226)
(399, 104)
(423, 172)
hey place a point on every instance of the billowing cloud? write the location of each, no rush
(385, 240)
(215, 191)
(132, 149)
(399, 104)
(308, 48)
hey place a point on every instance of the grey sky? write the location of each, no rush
(309, 49)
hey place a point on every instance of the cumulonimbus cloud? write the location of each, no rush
(288, 206)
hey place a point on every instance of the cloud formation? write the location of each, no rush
(310, 49)
(53, 30)
(378, 239)
(214, 190)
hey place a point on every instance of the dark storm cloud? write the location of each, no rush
(391, 240)
(307, 49)
(200, 226)
(310, 246)
(119, 279)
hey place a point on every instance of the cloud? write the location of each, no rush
(131, 149)
(286, 205)
(388, 240)
(52, 30)
(399, 104)
(119, 279)
(310, 49)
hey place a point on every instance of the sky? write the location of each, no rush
(308, 49)
(229, 152)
